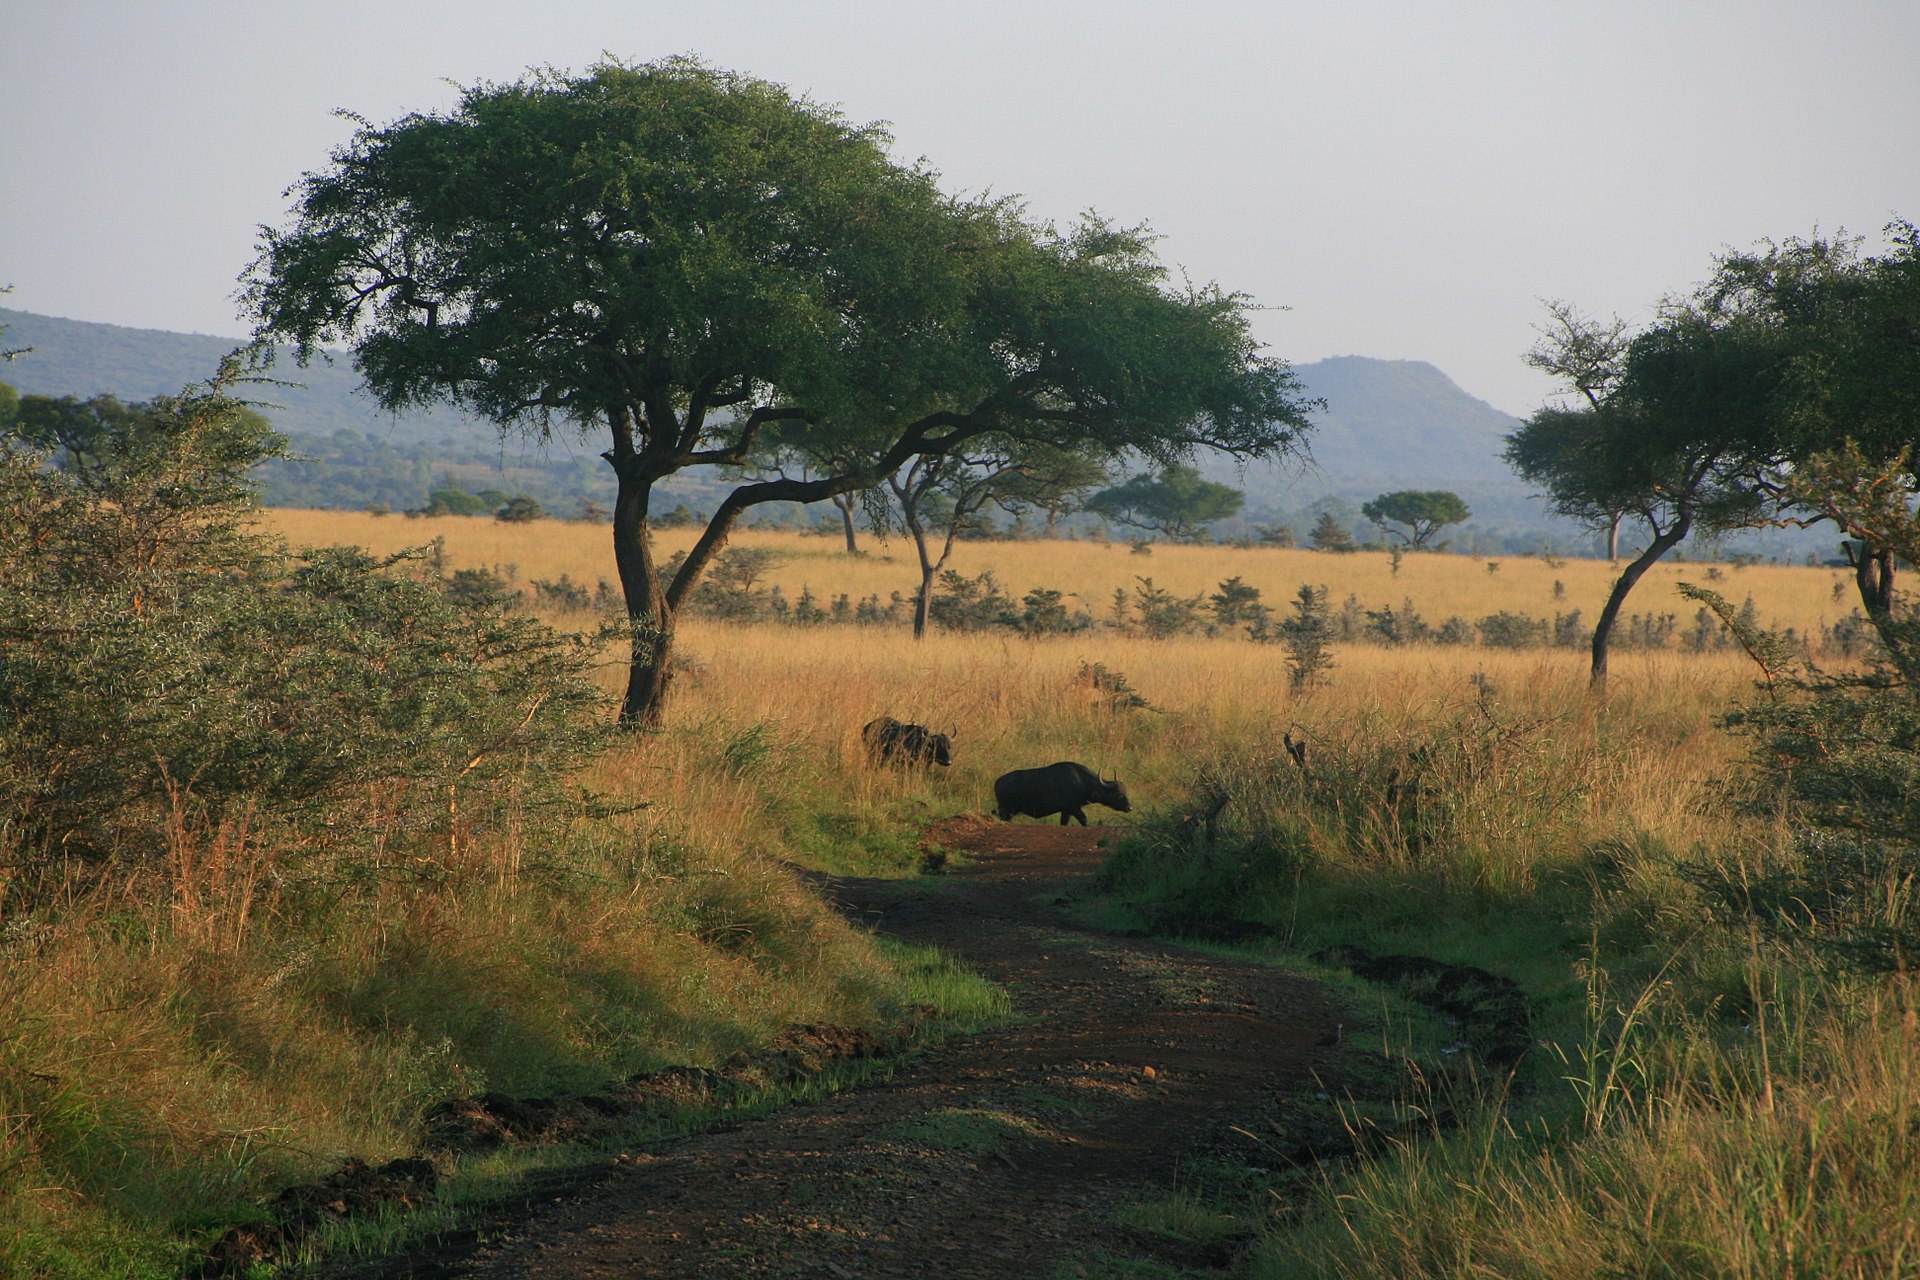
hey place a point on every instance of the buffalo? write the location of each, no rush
(891, 741)
(1065, 788)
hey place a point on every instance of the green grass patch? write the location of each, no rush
(960, 999)
(1182, 1215)
(856, 842)
(980, 1130)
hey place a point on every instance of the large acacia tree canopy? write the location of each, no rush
(1687, 425)
(684, 254)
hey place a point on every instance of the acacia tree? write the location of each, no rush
(1424, 511)
(1176, 502)
(1848, 405)
(1683, 439)
(940, 495)
(679, 257)
(1585, 354)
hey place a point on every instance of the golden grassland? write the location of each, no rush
(1440, 585)
(1758, 1147)
(192, 1042)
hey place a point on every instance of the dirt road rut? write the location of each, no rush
(1006, 1154)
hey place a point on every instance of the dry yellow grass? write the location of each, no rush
(1440, 586)
(1614, 794)
(1013, 702)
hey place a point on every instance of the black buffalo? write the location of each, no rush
(1065, 788)
(893, 741)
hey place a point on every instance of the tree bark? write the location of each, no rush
(847, 502)
(1603, 630)
(649, 615)
(1873, 574)
(923, 603)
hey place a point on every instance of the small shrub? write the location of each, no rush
(1110, 688)
(564, 593)
(1235, 602)
(1570, 630)
(1161, 613)
(1507, 630)
(1398, 627)
(1044, 613)
(1308, 636)
(971, 604)
(479, 588)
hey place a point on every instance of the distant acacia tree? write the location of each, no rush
(941, 496)
(1424, 511)
(680, 259)
(1177, 502)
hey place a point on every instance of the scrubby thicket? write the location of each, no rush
(294, 844)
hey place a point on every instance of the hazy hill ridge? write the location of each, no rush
(1389, 424)
(81, 358)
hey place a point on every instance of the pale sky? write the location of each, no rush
(1407, 179)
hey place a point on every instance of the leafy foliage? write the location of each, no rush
(163, 668)
(1424, 511)
(688, 260)
(1328, 534)
(1177, 502)
(1678, 428)
(1308, 636)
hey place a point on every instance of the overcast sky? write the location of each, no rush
(1407, 180)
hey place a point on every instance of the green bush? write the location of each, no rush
(163, 668)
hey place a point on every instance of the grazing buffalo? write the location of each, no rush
(894, 742)
(1065, 788)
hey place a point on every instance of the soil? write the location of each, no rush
(1003, 1154)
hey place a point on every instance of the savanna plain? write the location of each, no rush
(1716, 1085)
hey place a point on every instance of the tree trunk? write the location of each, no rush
(1613, 537)
(847, 502)
(923, 604)
(648, 612)
(1603, 630)
(1873, 573)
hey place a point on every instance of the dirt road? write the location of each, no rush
(1005, 1154)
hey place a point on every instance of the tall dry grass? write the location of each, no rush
(178, 1058)
(1439, 585)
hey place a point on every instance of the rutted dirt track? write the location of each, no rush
(1001, 1155)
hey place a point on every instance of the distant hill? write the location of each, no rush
(1389, 424)
(1399, 424)
(80, 358)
